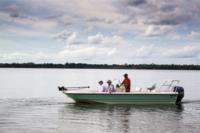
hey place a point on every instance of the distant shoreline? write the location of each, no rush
(102, 66)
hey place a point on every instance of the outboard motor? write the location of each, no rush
(180, 91)
(62, 88)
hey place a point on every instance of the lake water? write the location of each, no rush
(30, 103)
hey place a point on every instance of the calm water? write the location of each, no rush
(30, 103)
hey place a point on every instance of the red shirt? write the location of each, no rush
(127, 83)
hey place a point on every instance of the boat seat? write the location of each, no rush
(137, 89)
(153, 87)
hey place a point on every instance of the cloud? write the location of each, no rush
(23, 32)
(104, 14)
(136, 2)
(62, 36)
(27, 22)
(157, 52)
(62, 12)
(70, 38)
(119, 54)
(154, 30)
(95, 19)
(161, 12)
(12, 10)
(25, 57)
(71, 53)
(145, 51)
(85, 51)
(193, 35)
(106, 40)
(118, 29)
(188, 51)
(98, 39)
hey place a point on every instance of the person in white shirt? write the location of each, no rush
(104, 88)
(110, 87)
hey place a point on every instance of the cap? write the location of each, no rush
(109, 81)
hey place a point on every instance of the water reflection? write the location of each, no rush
(124, 119)
(180, 107)
(119, 118)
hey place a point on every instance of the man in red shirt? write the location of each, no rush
(126, 82)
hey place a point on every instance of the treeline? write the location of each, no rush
(101, 66)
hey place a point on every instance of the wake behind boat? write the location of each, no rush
(134, 97)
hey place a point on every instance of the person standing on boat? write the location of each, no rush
(104, 88)
(110, 87)
(127, 83)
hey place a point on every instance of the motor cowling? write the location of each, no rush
(62, 88)
(180, 91)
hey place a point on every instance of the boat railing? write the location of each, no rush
(169, 84)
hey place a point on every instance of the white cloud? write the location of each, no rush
(115, 40)
(69, 37)
(95, 39)
(85, 51)
(188, 51)
(145, 51)
(193, 35)
(102, 11)
(98, 39)
(62, 36)
(24, 57)
(15, 55)
(23, 32)
(176, 36)
(153, 30)
(72, 38)
(106, 40)
(96, 54)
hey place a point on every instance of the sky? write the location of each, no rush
(100, 31)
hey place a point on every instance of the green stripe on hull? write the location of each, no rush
(124, 98)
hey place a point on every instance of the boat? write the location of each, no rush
(134, 97)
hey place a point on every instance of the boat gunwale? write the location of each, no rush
(122, 93)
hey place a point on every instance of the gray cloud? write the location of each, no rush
(148, 12)
(34, 12)
(71, 38)
(168, 7)
(95, 19)
(156, 12)
(136, 2)
(14, 15)
(12, 10)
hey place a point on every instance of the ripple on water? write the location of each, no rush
(51, 115)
